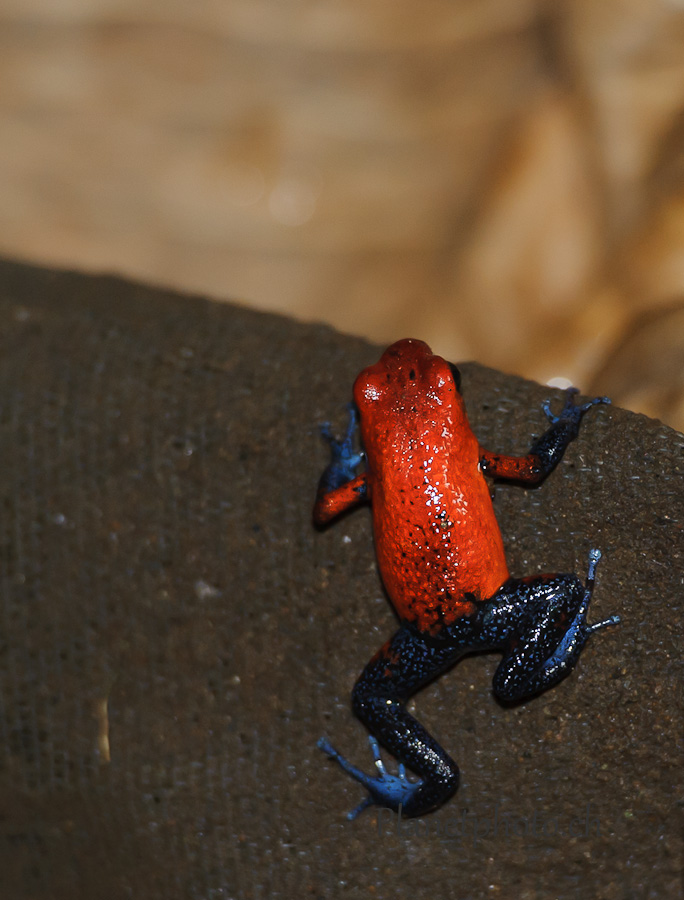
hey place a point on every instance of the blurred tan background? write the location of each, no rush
(503, 179)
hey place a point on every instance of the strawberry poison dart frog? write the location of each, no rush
(441, 558)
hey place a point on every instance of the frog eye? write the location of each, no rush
(456, 376)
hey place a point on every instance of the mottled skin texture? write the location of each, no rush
(442, 561)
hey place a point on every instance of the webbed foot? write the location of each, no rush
(578, 632)
(392, 791)
(571, 412)
(343, 460)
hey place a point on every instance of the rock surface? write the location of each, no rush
(175, 635)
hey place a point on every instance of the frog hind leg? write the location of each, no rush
(403, 665)
(546, 629)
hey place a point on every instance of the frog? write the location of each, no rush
(441, 559)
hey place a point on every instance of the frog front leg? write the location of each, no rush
(547, 451)
(339, 487)
(541, 624)
(403, 665)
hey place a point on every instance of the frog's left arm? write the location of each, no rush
(547, 451)
(330, 503)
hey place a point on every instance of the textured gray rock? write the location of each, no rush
(175, 636)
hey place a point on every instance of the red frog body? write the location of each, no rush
(437, 540)
(442, 561)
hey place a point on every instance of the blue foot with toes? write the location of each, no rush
(571, 412)
(344, 460)
(578, 632)
(387, 790)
